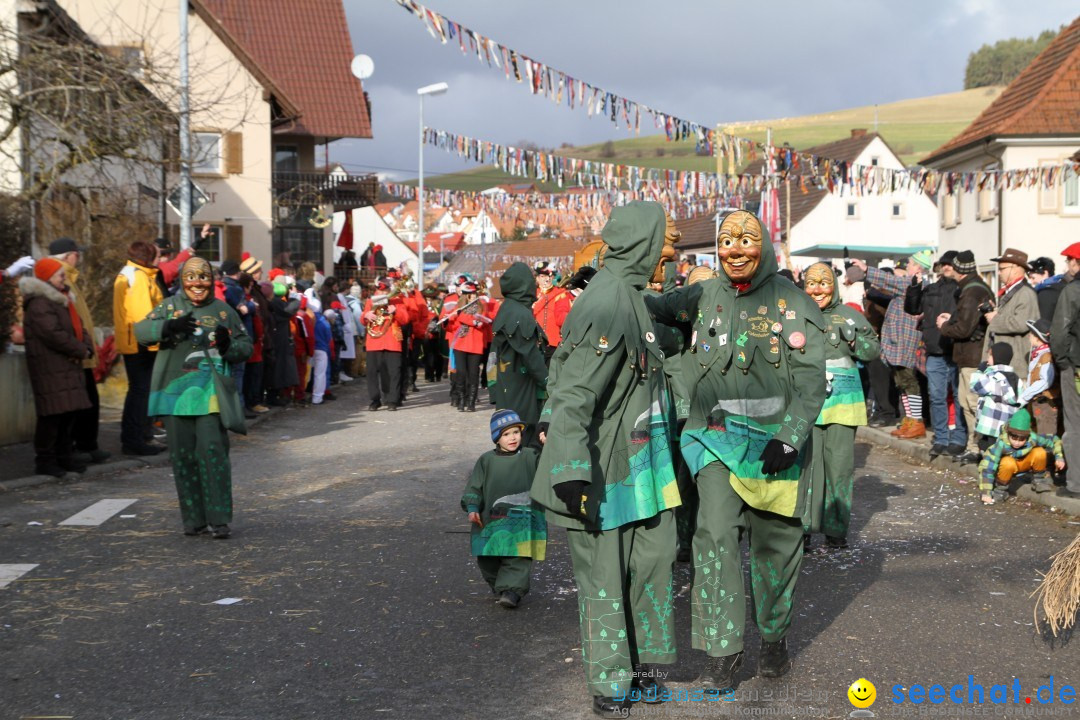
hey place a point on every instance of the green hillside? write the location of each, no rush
(912, 128)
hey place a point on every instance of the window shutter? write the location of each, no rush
(234, 153)
(234, 242)
(173, 234)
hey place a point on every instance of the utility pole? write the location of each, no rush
(185, 134)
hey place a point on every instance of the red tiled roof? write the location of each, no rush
(1044, 99)
(305, 48)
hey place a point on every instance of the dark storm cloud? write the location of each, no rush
(703, 60)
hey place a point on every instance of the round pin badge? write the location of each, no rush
(797, 340)
(776, 328)
(649, 337)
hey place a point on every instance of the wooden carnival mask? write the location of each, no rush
(197, 281)
(819, 281)
(739, 246)
(667, 254)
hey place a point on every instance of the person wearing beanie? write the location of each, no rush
(1018, 455)
(520, 370)
(508, 529)
(966, 327)
(996, 386)
(199, 336)
(942, 375)
(900, 338)
(57, 343)
(1015, 305)
(1042, 391)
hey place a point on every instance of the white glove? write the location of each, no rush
(20, 266)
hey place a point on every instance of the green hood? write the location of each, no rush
(515, 316)
(635, 236)
(836, 286)
(518, 283)
(767, 266)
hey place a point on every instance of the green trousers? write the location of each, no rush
(506, 573)
(623, 578)
(199, 451)
(718, 601)
(686, 514)
(828, 508)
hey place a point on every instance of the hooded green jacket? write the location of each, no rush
(522, 373)
(848, 337)
(757, 368)
(610, 420)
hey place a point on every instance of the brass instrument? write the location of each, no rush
(378, 327)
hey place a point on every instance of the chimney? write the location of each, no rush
(858, 132)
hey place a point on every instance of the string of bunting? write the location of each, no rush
(807, 172)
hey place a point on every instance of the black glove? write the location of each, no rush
(222, 339)
(570, 493)
(181, 327)
(542, 427)
(777, 457)
(581, 278)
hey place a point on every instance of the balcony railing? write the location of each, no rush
(297, 189)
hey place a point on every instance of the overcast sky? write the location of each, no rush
(704, 60)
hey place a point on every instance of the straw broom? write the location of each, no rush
(1059, 592)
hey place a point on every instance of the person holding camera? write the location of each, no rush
(967, 329)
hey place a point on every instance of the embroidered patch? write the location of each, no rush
(790, 315)
(797, 340)
(759, 326)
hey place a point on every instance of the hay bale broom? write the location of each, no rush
(1059, 592)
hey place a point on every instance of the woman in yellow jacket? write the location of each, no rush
(135, 294)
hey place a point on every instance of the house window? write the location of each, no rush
(286, 158)
(853, 211)
(1070, 190)
(874, 160)
(303, 244)
(207, 153)
(950, 210)
(209, 249)
(897, 211)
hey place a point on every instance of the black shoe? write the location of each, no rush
(413, 388)
(774, 661)
(392, 407)
(471, 408)
(807, 539)
(221, 532)
(877, 421)
(329, 396)
(144, 450)
(81, 457)
(970, 458)
(374, 406)
(509, 599)
(72, 465)
(836, 543)
(99, 456)
(719, 672)
(193, 531)
(460, 408)
(936, 449)
(250, 414)
(652, 690)
(954, 451)
(283, 403)
(610, 707)
(50, 469)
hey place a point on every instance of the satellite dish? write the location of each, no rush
(362, 67)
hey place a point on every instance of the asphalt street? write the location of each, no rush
(357, 596)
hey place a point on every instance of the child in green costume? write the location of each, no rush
(508, 531)
(848, 338)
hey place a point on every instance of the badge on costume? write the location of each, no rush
(742, 357)
(850, 321)
(741, 342)
(781, 304)
(603, 344)
(649, 337)
(706, 347)
(222, 314)
(693, 338)
(797, 340)
(722, 340)
(742, 315)
(719, 309)
(762, 310)
(790, 315)
(776, 328)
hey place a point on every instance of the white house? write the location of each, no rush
(1035, 122)
(368, 226)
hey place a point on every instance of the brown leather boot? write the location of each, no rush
(898, 432)
(916, 430)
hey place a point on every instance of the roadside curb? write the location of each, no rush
(918, 452)
(121, 464)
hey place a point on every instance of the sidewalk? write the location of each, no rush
(920, 450)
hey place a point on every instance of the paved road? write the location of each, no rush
(358, 598)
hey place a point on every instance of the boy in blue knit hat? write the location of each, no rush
(508, 529)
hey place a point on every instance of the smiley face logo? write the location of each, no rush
(862, 693)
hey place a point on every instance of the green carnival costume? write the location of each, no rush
(610, 425)
(182, 391)
(759, 385)
(849, 337)
(514, 532)
(518, 341)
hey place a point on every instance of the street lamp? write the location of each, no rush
(436, 89)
